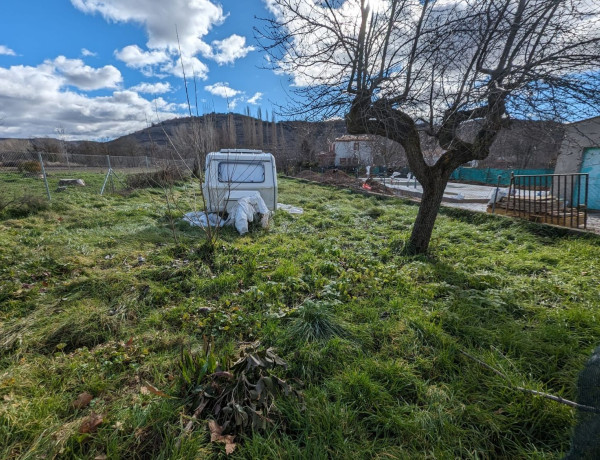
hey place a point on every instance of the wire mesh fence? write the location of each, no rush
(45, 175)
(21, 176)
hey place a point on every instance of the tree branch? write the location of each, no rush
(558, 399)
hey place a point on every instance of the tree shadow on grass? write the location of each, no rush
(547, 233)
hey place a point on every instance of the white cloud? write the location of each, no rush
(86, 52)
(84, 77)
(194, 19)
(151, 88)
(193, 66)
(134, 56)
(230, 49)
(35, 100)
(255, 99)
(6, 51)
(222, 89)
(191, 20)
(160, 63)
(233, 103)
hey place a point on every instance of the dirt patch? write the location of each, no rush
(309, 175)
(378, 187)
(341, 179)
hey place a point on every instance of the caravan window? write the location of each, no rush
(241, 172)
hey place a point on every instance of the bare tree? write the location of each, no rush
(195, 138)
(400, 67)
(259, 129)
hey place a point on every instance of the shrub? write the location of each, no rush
(32, 167)
(161, 178)
(24, 206)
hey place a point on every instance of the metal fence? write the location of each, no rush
(490, 175)
(41, 174)
(557, 199)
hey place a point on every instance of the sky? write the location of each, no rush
(98, 69)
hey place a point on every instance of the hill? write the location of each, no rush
(289, 141)
(525, 144)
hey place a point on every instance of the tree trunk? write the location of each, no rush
(428, 211)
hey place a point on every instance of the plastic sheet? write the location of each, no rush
(245, 211)
(202, 219)
(502, 192)
(290, 209)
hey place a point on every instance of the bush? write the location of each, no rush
(32, 167)
(24, 206)
(161, 178)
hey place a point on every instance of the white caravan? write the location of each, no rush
(232, 174)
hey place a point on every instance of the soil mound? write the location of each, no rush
(341, 179)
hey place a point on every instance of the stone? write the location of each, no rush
(71, 183)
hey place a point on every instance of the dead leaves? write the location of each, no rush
(148, 389)
(82, 401)
(91, 423)
(216, 435)
(241, 397)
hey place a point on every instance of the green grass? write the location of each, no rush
(382, 372)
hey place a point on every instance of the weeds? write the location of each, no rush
(240, 398)
(166, 177)
(22, 207)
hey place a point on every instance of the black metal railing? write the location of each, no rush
(557, 199)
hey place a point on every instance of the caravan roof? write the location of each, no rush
(239, 155)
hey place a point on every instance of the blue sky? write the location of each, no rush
(97, 69)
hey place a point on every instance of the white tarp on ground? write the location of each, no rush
(245, 211)
(497, 195)
(203, 219)
(290, 209)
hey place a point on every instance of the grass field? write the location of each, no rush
(376, 337)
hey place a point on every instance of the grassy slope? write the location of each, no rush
(521, 298)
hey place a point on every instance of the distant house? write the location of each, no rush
(325, 159)
(353, 150)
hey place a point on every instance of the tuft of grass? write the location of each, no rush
(315, 322)
(375, 212)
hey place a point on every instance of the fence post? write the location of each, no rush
(44, 174)
(107, 175)
(147, 163)
(496, 194)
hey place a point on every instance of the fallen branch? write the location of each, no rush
(557, 399)
(188, 427)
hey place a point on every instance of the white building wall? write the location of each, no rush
(353, 152)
